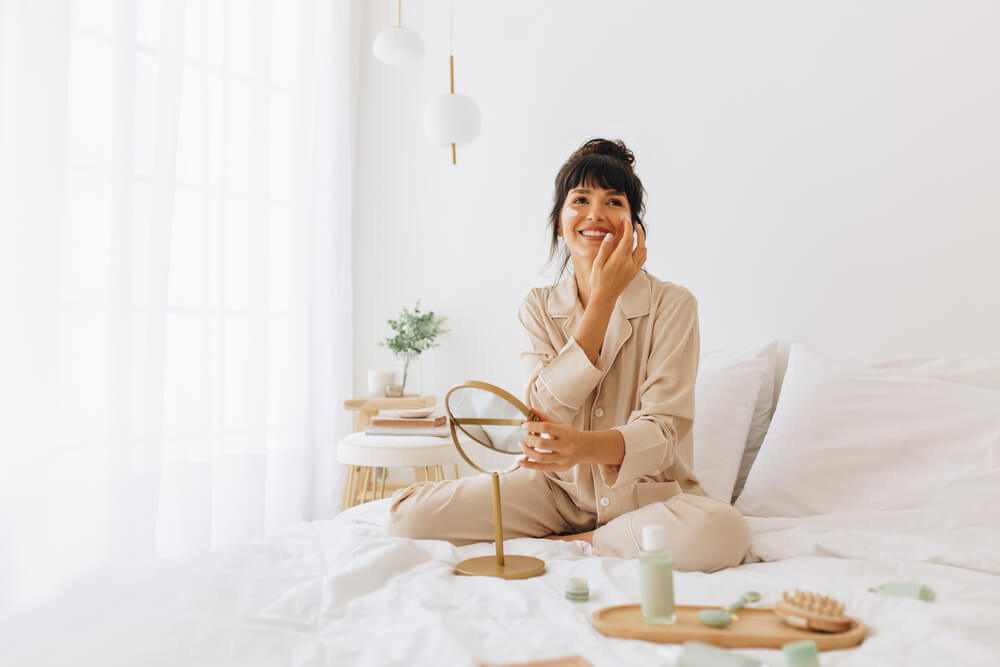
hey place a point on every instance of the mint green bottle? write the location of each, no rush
(656, 577)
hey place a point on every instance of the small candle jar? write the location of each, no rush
(577, 589)
(378, 380)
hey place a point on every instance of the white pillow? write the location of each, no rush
(725, 395)
(764, 404)
(872, 439)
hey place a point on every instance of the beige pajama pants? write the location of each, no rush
(704, 534)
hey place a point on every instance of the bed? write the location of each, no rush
(864, 476)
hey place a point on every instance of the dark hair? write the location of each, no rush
(599, 163)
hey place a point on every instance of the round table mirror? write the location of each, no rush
(492, 419)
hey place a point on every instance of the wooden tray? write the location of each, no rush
(755, 628)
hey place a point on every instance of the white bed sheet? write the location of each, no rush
(338, 592)
(969, 539)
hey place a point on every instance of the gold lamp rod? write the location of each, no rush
(451, 67)
(451, 58)
(399, 13)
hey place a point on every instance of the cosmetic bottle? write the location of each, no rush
(656, 577)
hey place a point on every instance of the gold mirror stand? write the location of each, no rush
(506, 567)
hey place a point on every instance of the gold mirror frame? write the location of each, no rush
(506, 567)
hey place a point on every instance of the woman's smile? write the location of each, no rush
(595, 233)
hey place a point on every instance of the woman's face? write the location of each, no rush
(588, 213)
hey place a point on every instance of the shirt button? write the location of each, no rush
(599, 412)
(605, 501)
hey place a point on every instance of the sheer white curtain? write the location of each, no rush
(175, 295)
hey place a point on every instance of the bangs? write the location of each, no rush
(600, 171)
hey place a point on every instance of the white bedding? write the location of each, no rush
(338, 592)
(971, 541)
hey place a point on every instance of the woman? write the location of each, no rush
(611, 355)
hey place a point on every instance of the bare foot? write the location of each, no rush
(587, 537)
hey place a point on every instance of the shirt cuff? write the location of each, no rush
(646, 451)
(570, 377)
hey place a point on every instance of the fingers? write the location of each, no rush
(544, 445)
(538, 459)
(548, 425)
(541, 415)
(625, 245)
(539, 456)
(541, 427)
(639, 254)
(548, 445)
(607, 246)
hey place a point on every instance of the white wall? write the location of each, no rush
(824, 172)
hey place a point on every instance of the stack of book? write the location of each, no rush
(391, 422)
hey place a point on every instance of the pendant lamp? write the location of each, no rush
(450, 118)
(398, 46)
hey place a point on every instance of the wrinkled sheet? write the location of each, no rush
(339, 592)
(968, 539)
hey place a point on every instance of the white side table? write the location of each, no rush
(367, 408)
(369, 456)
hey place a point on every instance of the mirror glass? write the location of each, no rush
(480, 414)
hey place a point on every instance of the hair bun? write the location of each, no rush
(616, 149)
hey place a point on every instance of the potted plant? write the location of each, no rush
(414, 332)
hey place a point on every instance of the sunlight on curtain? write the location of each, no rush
(175, 192)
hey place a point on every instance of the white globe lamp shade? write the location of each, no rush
(398, 46)
(452, 119)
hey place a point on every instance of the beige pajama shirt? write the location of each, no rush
(643, 386)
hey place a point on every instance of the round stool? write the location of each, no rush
(370, 456)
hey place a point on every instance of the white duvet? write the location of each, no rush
(339, 592)
(970, 541)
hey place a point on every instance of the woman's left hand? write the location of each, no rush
(562, 447)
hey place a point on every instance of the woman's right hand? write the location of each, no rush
(617, 264)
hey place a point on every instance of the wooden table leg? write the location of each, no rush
(348, 480)
(347, 483)
(363, 419)
(364, 485)
(352, 476)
